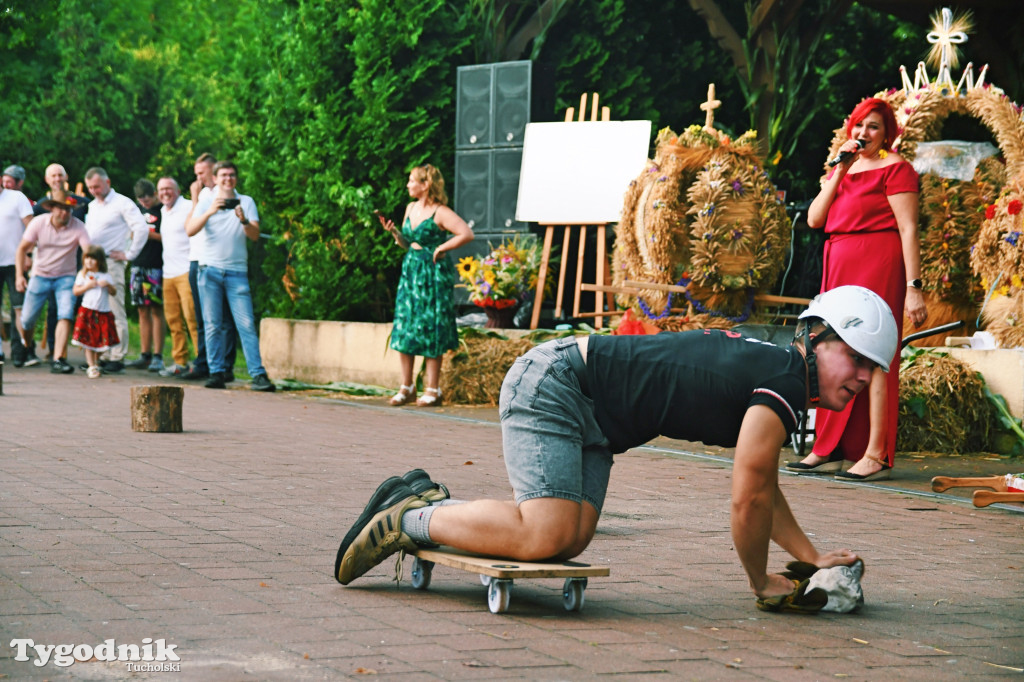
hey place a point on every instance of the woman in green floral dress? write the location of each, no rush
(424, 311)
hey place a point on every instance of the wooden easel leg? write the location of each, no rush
(560, 294)
(579, 271)
(599, 296)
(542, 275)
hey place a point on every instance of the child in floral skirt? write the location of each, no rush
(94, 326)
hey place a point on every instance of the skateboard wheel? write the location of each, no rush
(499, 592)
(572, 593)
(485, 580)
(421, 571)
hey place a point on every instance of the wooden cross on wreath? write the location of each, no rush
(709, 107)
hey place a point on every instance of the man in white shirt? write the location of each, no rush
(112, 220)
(15, 214)
(228, 219)
(178, 308)
(201, 186)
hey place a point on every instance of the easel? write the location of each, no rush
(602, 259)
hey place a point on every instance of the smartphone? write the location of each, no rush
(231, 203)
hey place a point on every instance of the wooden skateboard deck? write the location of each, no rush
(498, 574)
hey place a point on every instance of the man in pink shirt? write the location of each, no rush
(56, 236)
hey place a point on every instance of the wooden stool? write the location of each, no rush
(157, 409)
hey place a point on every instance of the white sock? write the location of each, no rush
(416, 524)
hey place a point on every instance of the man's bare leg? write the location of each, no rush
(537, 529)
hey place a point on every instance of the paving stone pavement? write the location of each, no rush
(221, 542)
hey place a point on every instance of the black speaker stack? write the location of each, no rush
(494, 104)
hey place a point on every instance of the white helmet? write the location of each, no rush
(859, 317)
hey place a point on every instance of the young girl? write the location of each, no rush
(94, 326)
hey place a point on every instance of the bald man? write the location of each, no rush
(57, 181)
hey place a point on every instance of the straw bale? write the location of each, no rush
(473, 373)
(942, 406)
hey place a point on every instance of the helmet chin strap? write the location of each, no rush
(812, 361)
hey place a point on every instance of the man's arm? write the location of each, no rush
(251, 227)
(760, 511)
(140, 230)
(20, 283)
(194, 223)
(755, 499)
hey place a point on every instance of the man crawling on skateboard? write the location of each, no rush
(568, 406)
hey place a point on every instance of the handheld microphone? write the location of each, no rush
(843, 156)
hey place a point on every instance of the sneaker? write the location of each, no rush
(216, 380)
(261, 382)
(229, 376)
(141, 362)
(156, 364)
(175, 370)
(377, 533)
(93, 372)
(60, 366)
(112, 367)
(195, 375)
(31, 360)
(420, 482)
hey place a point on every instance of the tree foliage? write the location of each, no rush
(325, 106)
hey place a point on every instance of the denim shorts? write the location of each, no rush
(39, 289)
(552, 443)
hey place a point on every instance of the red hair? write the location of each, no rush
(873, 105)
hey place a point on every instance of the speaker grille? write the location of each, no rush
(511, 103)
(473, 187)
(473, 125)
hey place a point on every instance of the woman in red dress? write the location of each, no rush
(868, 207)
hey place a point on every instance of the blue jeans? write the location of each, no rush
(39, 289)
(552, 443)
(231, 349)
(215, 284)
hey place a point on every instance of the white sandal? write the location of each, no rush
(406, 394)
(431, 398)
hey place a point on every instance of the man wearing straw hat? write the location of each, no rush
(56, 237)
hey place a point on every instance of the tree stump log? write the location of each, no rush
(157, 408)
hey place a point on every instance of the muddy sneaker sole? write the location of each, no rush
(388, 494)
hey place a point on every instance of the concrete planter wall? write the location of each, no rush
(323, 352)
(1003, 370)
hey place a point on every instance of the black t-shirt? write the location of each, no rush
(152, 254)
(694, 385)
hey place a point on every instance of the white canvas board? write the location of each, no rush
(578, 173)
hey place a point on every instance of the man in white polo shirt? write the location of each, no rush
(15, 214)
(228, 219)
(178, 308)
(114, 219)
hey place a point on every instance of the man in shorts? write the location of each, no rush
(567, 406)
(56, 237)
(146, 283)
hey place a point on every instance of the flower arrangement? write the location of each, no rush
(505, 276)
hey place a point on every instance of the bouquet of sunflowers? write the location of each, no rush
(504, 277)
